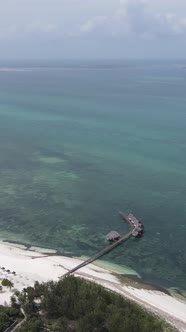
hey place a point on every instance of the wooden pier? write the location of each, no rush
(135, 230)
(135, 224)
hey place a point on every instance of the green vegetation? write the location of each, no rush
(7, 283)
(77, 305)
(8, 315)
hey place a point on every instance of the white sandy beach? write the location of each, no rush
(31, 266)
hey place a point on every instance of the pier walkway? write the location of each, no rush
(99, 254)
(129, 219)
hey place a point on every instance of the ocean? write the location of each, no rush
(82, 140)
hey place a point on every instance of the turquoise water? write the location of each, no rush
(80, 142)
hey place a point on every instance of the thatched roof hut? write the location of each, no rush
(113, 236)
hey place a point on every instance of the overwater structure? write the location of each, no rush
(136, 230)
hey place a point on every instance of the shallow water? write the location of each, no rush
(78, 144)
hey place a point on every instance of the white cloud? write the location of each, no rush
(117, 27)
(41, 27)
(135, 18)
(143, 18)
(93, 23)
(13, 31)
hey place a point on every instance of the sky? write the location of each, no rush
(83, 29)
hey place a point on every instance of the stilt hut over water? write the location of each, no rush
(113, 236)
(138, 227)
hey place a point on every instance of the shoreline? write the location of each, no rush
(115, 268)
(34, 265)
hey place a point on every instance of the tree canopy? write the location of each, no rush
(7, 283)
(8, 315)
(74, 304)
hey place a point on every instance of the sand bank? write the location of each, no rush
(33, 265)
